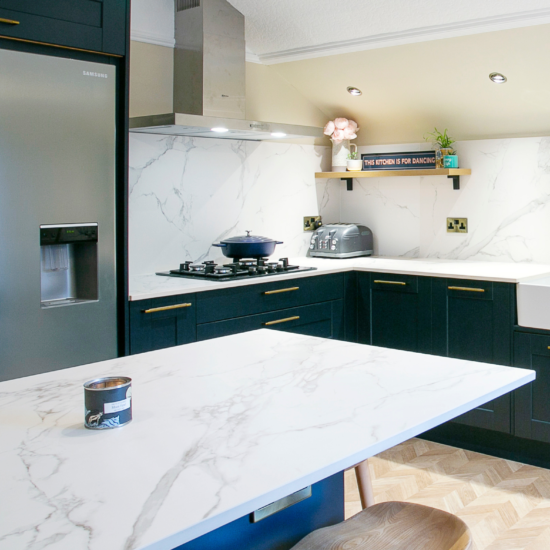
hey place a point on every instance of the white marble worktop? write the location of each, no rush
(142, 287)
(221, 428)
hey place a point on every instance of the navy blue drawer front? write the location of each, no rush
(260, 298)
(50, 31)
(323, 320)
(98, 26)
(85, 12)
(389, 282)
(162, 323)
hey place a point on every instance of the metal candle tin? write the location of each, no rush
(107, 402)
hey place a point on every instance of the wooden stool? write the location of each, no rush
(392, 526)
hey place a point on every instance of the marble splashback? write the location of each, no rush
(506, 201)
(187, 193)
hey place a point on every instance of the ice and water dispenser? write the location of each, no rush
(68, 264)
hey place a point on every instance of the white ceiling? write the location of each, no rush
(288, 30)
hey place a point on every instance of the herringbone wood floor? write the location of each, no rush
(505, 504)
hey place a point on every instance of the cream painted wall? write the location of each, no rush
(407, 90)
(269, 97)
(151, 79)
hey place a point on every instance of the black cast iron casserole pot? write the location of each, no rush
(247, 246)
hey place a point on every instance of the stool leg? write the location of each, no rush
(364, 483)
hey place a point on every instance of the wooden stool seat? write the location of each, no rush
(392, 526)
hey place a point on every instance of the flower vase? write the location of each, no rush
(340, 152)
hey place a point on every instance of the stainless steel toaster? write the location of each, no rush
(341, 240)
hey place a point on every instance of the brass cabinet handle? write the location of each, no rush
(468, 289)
(391, 282)
(9, 21)
(282, 321)
(165, 308)
(282, 290)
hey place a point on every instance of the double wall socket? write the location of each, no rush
(457, 225)
(311, 223)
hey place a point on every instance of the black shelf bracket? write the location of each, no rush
(456, 182)
(349, 182)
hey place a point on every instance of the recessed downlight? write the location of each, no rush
(219, 130)
(498, 78)
(354, 91)
(278, 134)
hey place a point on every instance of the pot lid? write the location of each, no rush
(248, 238)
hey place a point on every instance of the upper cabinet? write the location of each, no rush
(92, 25)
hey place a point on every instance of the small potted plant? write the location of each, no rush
(353, 163)
(443, 141)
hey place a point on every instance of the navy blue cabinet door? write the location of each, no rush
(94, 25)
(532, 402)
(284, 529)
(473, 320)
(400, 311)
(162, 323)
(324, 320)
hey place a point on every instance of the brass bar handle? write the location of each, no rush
(267, 293)
(9, 21)
(548, 347)
(466, 288)
(165, 308)
(269, 323)
(391, 282)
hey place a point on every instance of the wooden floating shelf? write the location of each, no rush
(395, 173)
(453, 173)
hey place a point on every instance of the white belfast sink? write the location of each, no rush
(534, 303)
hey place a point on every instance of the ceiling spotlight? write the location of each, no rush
(498, 78)
(278, 134)
(219, 130)
(354, 91)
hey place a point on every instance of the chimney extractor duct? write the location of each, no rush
(210, 80)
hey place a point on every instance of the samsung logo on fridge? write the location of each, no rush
(97, 75)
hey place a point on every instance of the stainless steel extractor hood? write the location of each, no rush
(209, 80)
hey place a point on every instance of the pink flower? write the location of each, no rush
(349, 133)
(338, 136)
(353, 126)
(341, 123)
(329, 128)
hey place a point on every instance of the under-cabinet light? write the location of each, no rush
(278, 134)
(219, 130)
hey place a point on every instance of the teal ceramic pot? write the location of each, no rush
(450, 161)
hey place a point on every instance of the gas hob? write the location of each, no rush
(239, 269)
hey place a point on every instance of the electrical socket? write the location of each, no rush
(457, 225)
(311, 223)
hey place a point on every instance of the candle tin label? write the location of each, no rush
(107, 402)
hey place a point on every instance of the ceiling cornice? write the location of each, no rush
(153, 38)
(421, 34)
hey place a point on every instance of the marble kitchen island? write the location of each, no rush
(221, 428)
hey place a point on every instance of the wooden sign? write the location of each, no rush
(417, 160)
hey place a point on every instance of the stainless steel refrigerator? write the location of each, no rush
(57, 213)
